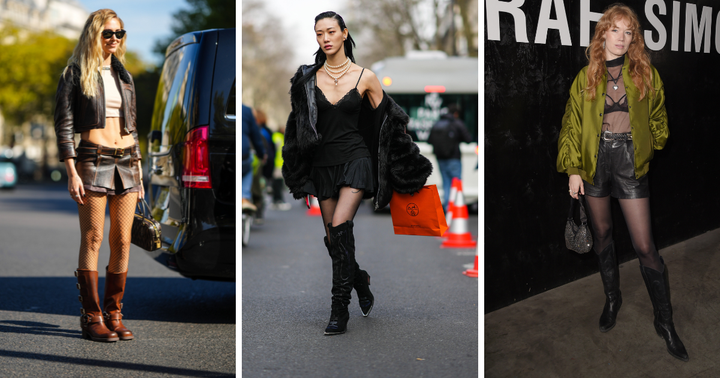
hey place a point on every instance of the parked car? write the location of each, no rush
(191, 156)
(8, 173)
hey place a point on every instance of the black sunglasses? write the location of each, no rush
(107, 34)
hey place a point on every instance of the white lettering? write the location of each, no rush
(675, 26)
(545, 23)
(717, 33)
(586, 16)
(698, 29)
(493, 9)
(654, 21)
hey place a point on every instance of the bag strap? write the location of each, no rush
(578, 202)
(143, 207)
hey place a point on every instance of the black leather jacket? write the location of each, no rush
(75, 113)
(396, 160)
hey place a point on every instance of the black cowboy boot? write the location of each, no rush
(361, 284)
(342, 252)
(659, 290)
(610, 275)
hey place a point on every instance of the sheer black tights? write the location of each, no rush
(637, 216)
(338, 211)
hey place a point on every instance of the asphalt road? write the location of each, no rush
(425, 319)
(182, 328)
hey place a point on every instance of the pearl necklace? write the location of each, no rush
(343, 69)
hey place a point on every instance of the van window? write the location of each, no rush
(230, 108)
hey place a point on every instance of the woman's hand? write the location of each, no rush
(141, 194)
(76, 189)
(75, 184)
(576, 186)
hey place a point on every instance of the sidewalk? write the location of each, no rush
(555, 334)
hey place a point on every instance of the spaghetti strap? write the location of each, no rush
(361, 72)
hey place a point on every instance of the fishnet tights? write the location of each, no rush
(92, 223)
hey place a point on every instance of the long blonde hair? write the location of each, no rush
(88, 53)
(640, 70)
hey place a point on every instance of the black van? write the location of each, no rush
(191, 154)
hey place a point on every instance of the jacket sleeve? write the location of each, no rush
(64, 107)
(137, 155)
(292, 161)
(569, 159)
(658, 115)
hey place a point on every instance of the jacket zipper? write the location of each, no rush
(378, 171)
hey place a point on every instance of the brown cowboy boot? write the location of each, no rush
(114, 290)
(91, 321)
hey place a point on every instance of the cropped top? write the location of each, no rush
(113, 99)
(338, 124)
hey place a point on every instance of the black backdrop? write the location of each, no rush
(526, 199)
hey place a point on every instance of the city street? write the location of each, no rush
(425, 319)
(182, 328)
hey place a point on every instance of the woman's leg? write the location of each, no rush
(600, 216)
(654, 273)
(92, 223)
(601, 220)
(637, 217)
(122, 210)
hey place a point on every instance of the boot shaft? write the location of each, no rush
(114, 291)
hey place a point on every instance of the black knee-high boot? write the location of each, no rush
(342, 252)
(610, 275)
(361, 284)
(659, 289)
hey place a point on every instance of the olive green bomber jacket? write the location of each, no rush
(579, 139)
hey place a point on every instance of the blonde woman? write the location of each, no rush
(96, 98)
(613, 121)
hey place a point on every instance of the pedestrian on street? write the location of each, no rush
(250, 136)
(445, 137)
(96, 98)
(278, 184)
(334, 150)
(609, 156)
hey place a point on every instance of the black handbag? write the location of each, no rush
(577, 236)
(145, 229)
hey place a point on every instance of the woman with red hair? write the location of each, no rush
(614, 120)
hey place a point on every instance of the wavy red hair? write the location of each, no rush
(640, 70)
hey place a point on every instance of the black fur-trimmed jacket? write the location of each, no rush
(397, 163)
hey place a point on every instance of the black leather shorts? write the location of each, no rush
(113, 169)
(615, 174)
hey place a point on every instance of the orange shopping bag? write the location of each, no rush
(418, 213)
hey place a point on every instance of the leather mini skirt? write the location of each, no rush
(615, 175)
(107, 169)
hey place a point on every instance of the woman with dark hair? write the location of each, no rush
(345, 141)
(613, 121)
(96, 98)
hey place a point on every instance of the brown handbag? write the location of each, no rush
(145, 229)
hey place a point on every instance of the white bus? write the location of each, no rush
(424, 83)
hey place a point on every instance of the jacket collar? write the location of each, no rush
(116, 65)
(310, 93)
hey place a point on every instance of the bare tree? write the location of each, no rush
(392, 27)
(266, 54)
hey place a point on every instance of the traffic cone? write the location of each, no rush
(458, 235)
(314, 210)
(474, 271)
(451, 201)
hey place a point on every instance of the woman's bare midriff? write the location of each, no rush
(113, 135)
